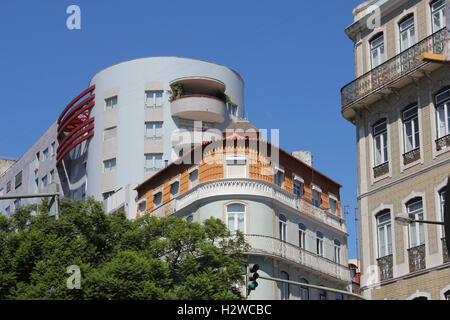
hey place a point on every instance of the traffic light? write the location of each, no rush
(252, 276)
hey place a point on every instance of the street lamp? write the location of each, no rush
(406, 219)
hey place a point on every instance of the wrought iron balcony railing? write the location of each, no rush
(393, 69)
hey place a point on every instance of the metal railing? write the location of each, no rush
(275, 247)
(393, 69)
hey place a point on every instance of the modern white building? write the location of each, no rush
(134, 118)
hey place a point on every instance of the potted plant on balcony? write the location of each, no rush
(176, 91)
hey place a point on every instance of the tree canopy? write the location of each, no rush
(147, 258)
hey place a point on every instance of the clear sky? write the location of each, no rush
(294, 57)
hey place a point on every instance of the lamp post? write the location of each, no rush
(406, 219)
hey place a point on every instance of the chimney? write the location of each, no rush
(304, 156)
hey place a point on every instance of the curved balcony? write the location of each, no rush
(261, 189)
(268, 246)
(199, 107)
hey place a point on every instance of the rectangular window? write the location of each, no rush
(232, 109)
(153, 130)
(407, 33)
(45, 154)
(109, 133)
(438, 15)
(17, 204)
(441, 207)
(174, 189)
(153, 161)
(157, 199)
(315, 198)
(109, 165)
(193, 178)
(53, 149)
(416, 229)
(236, 217)
(153, 99)
(38, 156)
(8, 187)
(278, 177)
(52, 176)
(44, 181)
(111, 103)
(411, 129)
(380, 143)
(442, 101)
(8, 211)
(377, 51)
(384, 234)
(142, 208)
(18, 180)
(333, 205)
(236, 166)
(298, 189)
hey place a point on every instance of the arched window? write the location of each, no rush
(319, 243)
(380, 142)
(236, 217)
(377, 50)
(416, 229)
(322, 294)
(447, 295)
(282, 227)
(407, 32)
(284, 286)
(304, 291)
(337, 251)
(302, 235)
(420, 298)
(384, 233)
(437, 15)
(442, 103)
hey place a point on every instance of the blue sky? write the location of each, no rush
(293, 56)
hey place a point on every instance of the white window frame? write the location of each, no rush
(297, 180)
(236, 215)
(302, 236)
(413, 121)
(383, 138)
(194, 183)
(282, 227)
(316, 190)
(440, 11)
(109, 165)
(153, 158)
(319, 244)
(415, 229)
(385, 229)
(142, 204)
(379, 49)
(337, 251)
(173, 181)
(113, 105)
(278, 170)
(155, 193)
(153, 124)
(445, 106)
(153, 104)
(236, 160)
(333, 198)
(409, 30)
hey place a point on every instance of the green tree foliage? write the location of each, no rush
(149, 258)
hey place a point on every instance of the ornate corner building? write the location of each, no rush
(400, 106)
(289, 212)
